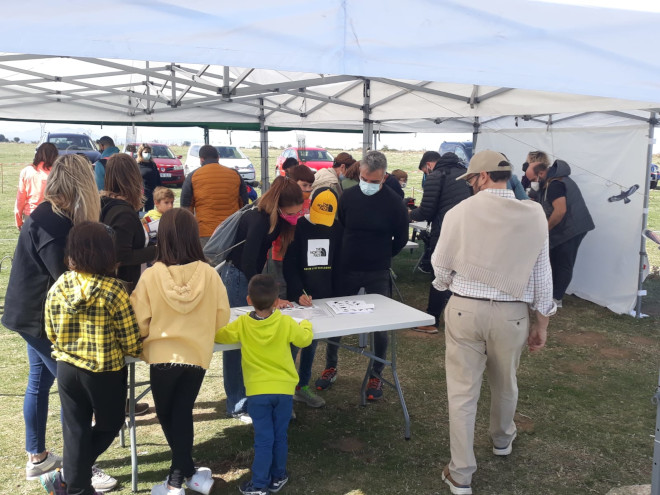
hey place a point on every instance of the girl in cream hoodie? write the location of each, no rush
(179, 303)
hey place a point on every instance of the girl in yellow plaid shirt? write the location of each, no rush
(91, 323)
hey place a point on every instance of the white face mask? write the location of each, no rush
(146, 156)
(369, 189)
(534, 186)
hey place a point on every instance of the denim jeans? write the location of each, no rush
(43, 370)
(236, 284)
(306, 361)
(270, 415)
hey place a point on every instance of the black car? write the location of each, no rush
(68, 144)
(462, 150)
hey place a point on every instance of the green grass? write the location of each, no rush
(584, 414)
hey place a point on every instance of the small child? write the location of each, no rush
(270, 378)
(304, 177)
(163, 201)
(90, 321)
(179, 302)
(308, 270)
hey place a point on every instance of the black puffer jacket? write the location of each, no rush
(441, 193)
(151, 180)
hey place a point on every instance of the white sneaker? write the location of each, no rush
(50, 463)
(201, 481)
(101, 481)
(558, 302)
(243, 418)
(163, 489)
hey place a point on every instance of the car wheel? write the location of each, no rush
(654, 184)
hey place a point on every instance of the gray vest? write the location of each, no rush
(577, 219)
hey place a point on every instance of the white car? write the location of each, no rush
(230, 156)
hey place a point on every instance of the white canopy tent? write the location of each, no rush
(578, 82)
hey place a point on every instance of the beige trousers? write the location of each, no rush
(481, 335)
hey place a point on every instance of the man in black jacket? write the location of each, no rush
(441, 193)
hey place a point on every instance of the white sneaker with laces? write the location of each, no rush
(243, 418)
(163, 489)
(50, 463)
(201, 482)
(101, 481)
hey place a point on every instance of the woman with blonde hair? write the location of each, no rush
(70, 197)
(149, 173)
(120, 201)
(276, 214)
(32, 182)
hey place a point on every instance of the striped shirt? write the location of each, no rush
(91, 323)
(538, 292)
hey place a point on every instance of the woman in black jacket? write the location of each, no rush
(70, 197)
(120, 202)
(150, 175)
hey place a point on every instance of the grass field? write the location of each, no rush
(584, 414)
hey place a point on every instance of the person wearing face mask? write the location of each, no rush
(150, 175)
(212, 192)
(332, 177)
(276, 214)
(494, 283)
(375, 223)
(534, 172)
(441, 193)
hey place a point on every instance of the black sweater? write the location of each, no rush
(151, 180)
(38, 263)
(129, 237)
(309, 260)
(375, 229)
(250, 257)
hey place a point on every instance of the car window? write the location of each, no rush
(228, 152)
(160, 151)
(71, 142)
(461, 154)
(194, 150)
(314, 155)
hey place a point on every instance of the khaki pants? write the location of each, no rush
(481, 335)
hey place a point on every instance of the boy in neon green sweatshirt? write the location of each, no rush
(270, 378)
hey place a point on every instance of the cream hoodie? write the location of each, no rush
(179, 308)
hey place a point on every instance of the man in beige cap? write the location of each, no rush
(493, 255)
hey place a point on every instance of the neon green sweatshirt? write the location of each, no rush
(268, 367)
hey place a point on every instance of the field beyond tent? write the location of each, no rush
(585, 418)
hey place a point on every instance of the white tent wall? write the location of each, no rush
(603, 160)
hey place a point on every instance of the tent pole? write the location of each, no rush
(206, 135)
(645, 216)
(263, 133)
(367, 125)
(475, 133)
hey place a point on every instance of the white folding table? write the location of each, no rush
(387, 315)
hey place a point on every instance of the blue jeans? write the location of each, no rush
(43, 370)
(236, 284)
(306, 360)
(270, 415)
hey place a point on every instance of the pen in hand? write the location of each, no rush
(305, 299)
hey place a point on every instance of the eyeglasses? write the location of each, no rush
(471, 180)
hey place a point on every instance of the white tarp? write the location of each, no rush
(603, 160)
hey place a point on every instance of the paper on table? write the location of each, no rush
(306, 312)
(346, 307)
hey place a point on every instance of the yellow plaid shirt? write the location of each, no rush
(90, 321)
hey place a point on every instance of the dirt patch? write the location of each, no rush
(644, 341)
(585, 339)
(524, 424)
(615, 353)
(580, 368)
(346, 444)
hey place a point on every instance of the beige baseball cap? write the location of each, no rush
(487, 161)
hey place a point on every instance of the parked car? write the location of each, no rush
(462, 150)
(314, 158)
(70, 144)
(169, 164)
(655, 175)
(230, 156)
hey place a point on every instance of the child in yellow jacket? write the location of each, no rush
(179, 303)
(270, 378)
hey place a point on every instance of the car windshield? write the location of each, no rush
(230, 152)
(64, 143)
(314, 156)
(160, 151)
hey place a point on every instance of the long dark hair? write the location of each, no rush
(123, 178)
(178, 238)
(46, 153)
(282, 193)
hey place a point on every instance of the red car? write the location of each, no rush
(169, 165)
(314, 158)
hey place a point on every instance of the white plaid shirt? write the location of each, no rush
(538, 292)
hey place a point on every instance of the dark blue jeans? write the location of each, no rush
(306, 361)
(270, 415)
(43, 370)
(236, 284)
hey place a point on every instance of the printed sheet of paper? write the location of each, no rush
(306, 312)
(347, 307)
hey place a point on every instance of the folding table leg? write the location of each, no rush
(397, 385)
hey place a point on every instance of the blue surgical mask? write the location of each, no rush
(369, 189)
(146, 156)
